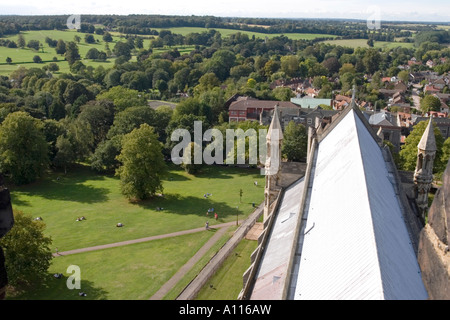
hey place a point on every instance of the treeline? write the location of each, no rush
(146, 25)
(437, 36)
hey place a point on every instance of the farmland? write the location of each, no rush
(24, 56)
(362, 43)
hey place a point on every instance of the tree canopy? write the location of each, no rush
(143, 165)
(408, 152)
(27, 252)
(23, 148)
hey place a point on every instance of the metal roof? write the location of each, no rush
(356, 245)
(271, 275)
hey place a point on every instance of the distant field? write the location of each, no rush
(24, 57)
(445, 27)
(227, 32)
(355, 43)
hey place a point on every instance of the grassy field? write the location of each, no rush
(178, 288)
(98, 198)
(227, 32)
(227, 281)
(133, 272)
(24, 57)
(355, 43)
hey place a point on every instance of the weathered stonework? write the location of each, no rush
(434, 254)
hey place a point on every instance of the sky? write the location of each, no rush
(387, 10)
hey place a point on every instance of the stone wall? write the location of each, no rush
(434, 254)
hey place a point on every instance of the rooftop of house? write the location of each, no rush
(383, 118)
(308, 102)
(245, 104)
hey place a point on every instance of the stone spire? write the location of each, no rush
(380, 135)
(274, 140)
(275, 131)
(428, 141)
(353, 103)
(423, 175)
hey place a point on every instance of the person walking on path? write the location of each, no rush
(207, 225)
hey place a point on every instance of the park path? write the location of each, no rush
(190, 291)
(127, 242)
(188, 265)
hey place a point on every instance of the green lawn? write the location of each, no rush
(178, 288)
(132, 272)
(227, 281)
(355, 43)
(60, 199)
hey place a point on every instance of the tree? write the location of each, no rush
(404, 76)
(445, 154)
(220, 63)
(371, 60)
(64, 154)
(100, 116)
(79, 133)
(408, 152)
(290, 65)
(28, 255)
(34, 44)
(72, 53)
(51, 43)
(8, 60)
(188, 159)
(89, 38)
(122, 49)
(430, 103)
(347, 68)
(107, 37)
(92, 54)
(207, 82)
(112, 78)
(60, 47)
(105, 156)
(332, 64)
(23, 149)
(123, 98)
(21, 41)
(295, 142)
(143, 165)
(37, 59)
(53, 67)
(283, 94)
(74, 90)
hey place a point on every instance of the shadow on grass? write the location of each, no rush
(56, 289)
(66, 187)
(225, 172)
(173, 176)
(185, 205)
